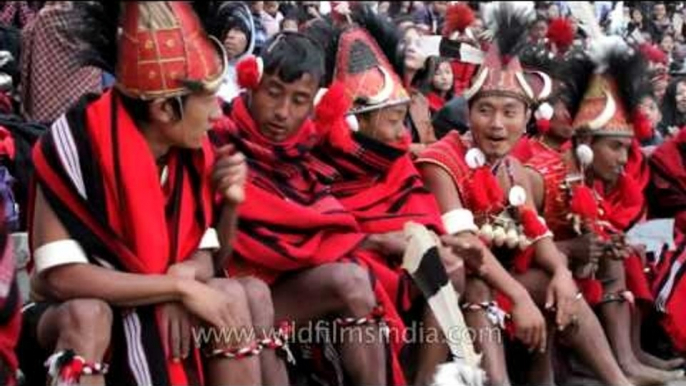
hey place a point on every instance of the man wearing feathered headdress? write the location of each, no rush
(589, 196)
(523, 265)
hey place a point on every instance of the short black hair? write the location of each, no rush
(291, 55)
(140, 109)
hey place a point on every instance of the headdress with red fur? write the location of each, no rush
(457, 18)
(561, 33)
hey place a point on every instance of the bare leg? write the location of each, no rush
(224, 371)
(588, 339)
(343, 290)
(644, 357)
(536, 283)
(616, 318)
(432, 354)
(262, 312)
(82, 325)
(493, 359)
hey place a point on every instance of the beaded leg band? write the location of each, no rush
(496, 315)
(277, 342)
(374, 317)
(65, 368)
(617, 297)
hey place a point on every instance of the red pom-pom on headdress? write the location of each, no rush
(543, 125)
(653, 53)
(533, 227)
(584, 203)
(333, 105)
(457, 18)
(643, 128)
(561, 33)
(249, 72)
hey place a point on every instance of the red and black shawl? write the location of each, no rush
(668, 184)
(100, 177)
(290, 220)
(381, 187)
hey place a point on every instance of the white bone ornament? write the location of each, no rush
(517, 196)
(512, 238)
(584, 154)
(499, 236)
(475, 158)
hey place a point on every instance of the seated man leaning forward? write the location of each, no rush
(529, 271)
(293, 233)
(120, 235)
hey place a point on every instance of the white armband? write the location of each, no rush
(459, 220)
(210, 240)
(58, 253)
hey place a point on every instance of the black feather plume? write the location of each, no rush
(326, 35)
(630, 71)
(385, 33)
(509, 23)
(96, 29)
(575, 72)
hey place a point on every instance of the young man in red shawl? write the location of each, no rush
(377, 180)
(529, 271)
(293, 233)
(668, 193)
(589, 201)
(122, 248)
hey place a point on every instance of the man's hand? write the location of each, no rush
(562, 294)
(176, 321)
(229, 174)
(176, 328)
(530, 326)
(391, 244)
(468, 247)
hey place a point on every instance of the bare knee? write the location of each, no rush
(259, 297)
(477, 291)
(352, 286)
(236, 296)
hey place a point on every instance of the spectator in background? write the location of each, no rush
(383, 7)
(404, 23)
(661, 22)
(399, 8)
(638, 22)
(52, 76)
(259, 32)
(234, 26)
(539, 30)
(289, 23)
(667, 44)
(553, 11)
(437, 82)
(674, 106)
(430, 19)
(19, 13)
(271, 18)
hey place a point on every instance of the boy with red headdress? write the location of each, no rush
(122, 246)
(470, 181)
